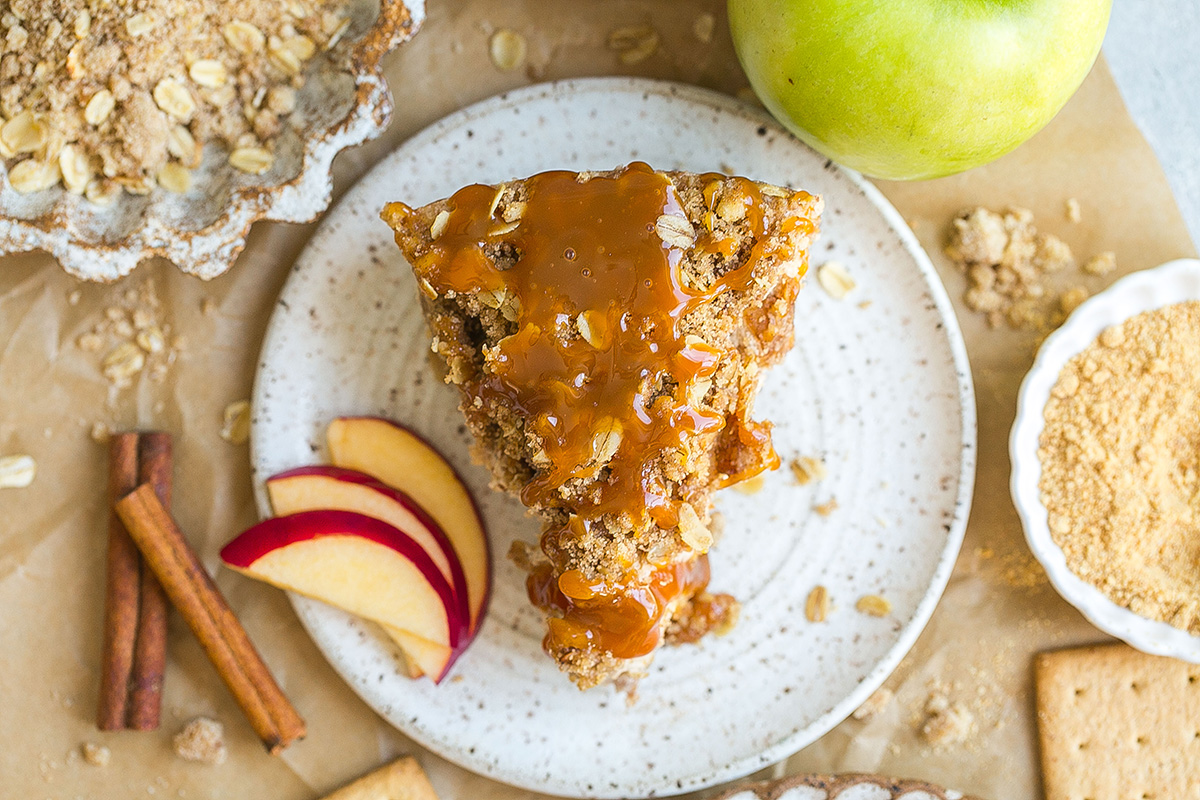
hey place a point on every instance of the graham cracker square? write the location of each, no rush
(1117, 724)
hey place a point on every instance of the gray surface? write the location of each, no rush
(1153, 48)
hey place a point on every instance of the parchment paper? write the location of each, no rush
(997, 612)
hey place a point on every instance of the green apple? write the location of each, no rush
(911, 89)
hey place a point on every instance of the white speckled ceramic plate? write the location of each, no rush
(1170, 283)
(878, 385)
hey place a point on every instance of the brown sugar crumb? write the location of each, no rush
(1008, 265)
(106, 97)
(203, 740)
(1120, 457)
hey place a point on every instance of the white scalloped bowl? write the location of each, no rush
(1165, 285)
(345, 102)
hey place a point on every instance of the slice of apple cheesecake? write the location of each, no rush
(608, 333)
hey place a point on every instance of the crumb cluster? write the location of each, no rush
(107, 96)
(1008, 262)
(1120, 457)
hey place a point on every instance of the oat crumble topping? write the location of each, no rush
(107, 96)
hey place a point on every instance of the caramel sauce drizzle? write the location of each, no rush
(598, 366)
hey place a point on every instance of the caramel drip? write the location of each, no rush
(627, 624)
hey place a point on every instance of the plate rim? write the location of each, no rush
(951, 332)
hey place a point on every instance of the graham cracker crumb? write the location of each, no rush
(202, 740)
(1120, 457)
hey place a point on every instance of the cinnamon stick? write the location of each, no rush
(150, 651)
(201, 605)
(121, 592)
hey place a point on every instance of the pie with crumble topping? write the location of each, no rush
(608, 332)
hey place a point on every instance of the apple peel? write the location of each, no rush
(338, 489)
(400, 458)
(354, 562)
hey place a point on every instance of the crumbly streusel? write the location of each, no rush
(112, 95)
(1120, 460)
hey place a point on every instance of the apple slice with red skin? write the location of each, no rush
(401, 459)
(421, 656)
(338, 489)
(357, 563)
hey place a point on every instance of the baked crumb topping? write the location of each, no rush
(607, 331)
(122, 95)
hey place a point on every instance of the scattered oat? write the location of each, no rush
(101, 433)
(236, 429)
(635, 43)
(835, 279)
(703, 27)
(874, 605)
(826, 508)
(123, 362)
(874, 705)
(208, 306)
(816, 607)
(808, 470)
(17, 472)
(1071, 208)
(1101, 263)
(508, 49)
(203, 740)
(96, 754)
